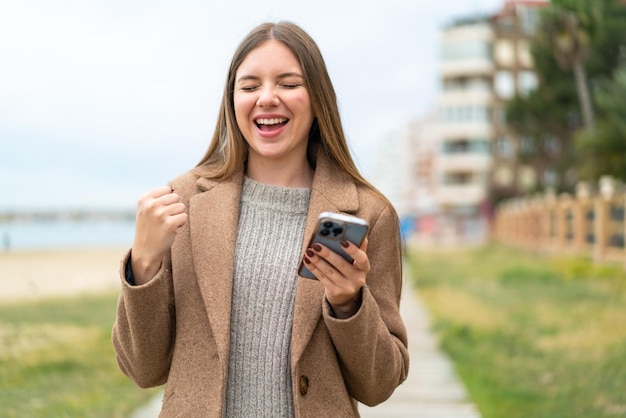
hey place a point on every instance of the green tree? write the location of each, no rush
(605, 147)
(590, 35)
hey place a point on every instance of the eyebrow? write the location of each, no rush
(280, 76)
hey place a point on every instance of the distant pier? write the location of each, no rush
(78, 215)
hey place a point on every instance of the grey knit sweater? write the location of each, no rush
(269, 238)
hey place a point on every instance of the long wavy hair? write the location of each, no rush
(228, 148)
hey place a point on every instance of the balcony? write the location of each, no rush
(460, 194)
(464, 68)
(466, 161)
(476, 129)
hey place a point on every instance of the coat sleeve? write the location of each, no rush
(143, 332)
(372, 344)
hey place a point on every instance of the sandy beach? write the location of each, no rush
(29, 275)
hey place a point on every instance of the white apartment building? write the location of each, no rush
(464, 159)
(443, 169)
(484, 61)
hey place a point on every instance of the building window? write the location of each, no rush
(504, 84)
(506, 24)
(551, 145)
(527, 179)
(503, 147)
(478, 84)
(550, 177)
(504, 53)
(464, 114)
(527, 82)
(467, 84)
(524, 57)
(526, 145)
(458, 178)
(466, 50)
(481, 146)
(529, 19)
(455, 147)
(499, 115)
(503, 176)
(461, 146)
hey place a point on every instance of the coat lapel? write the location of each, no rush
(333, 191)
(213, 217)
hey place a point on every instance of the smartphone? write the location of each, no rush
(331, 229)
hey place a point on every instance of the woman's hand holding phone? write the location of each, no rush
(336, 256)
(341, 279)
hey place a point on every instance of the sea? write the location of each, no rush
(59, 234)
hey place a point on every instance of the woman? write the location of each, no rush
(211, 303)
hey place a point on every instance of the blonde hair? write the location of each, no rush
(228, 148)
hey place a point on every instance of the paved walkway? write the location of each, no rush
(432, 389)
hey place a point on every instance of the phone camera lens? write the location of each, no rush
(328, 224)
(324, 232)
(337, 231)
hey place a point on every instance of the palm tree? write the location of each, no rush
(571, 47)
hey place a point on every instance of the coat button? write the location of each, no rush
(304, 385)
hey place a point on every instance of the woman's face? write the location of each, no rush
(272, 104)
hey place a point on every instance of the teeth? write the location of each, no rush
(273, 121)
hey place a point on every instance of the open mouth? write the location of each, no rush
(271, 124)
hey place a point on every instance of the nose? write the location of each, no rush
(267, 97)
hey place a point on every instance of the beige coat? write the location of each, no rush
(176, 328)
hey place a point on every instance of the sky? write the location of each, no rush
(103, 100)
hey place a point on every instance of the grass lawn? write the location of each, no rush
(531, 336)
(56, 360)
